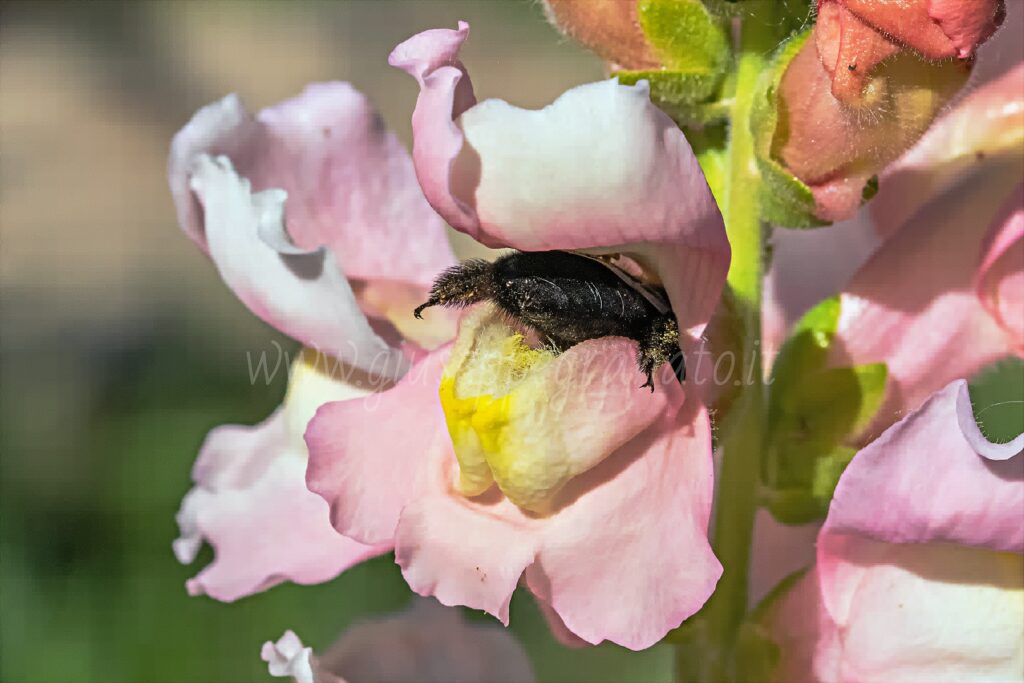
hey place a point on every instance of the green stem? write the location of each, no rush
(743, 429)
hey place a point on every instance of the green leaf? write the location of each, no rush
(996, 399)
(813, 409)
(785, 199)
(805, 505)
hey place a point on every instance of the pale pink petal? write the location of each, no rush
(601, 168)
(913, 305)
(351, 185)
(913, 581)
(914, 613)
(936, 484)
(224, 127)
(933, 612)
(366, 456)
(251, 504)
(301, 293)
(1000, 283)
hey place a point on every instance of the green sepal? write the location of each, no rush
(812, 410)
(785, 199)
(757, 654)
(870, 189)
(685, 36)
(709, 146)
(693, 47)
(676, 90)
(805, 505)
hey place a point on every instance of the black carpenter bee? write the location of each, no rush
(568, 298)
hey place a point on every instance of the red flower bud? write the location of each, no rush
(837, 127)
(936, 29)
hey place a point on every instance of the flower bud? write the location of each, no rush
(847, 104)
(936, 29)
(610, 28)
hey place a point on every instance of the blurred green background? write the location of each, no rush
(121, 347)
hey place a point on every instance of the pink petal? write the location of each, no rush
(558, 628)
(808, 640)
(1000, 284)
(301, 293)
(366, 456)
(639, 517)
(600, 168)
(432, 58)
(642, 526)
(778, 550)
(937, 480)
(424, 643)
(250, 502)
(808, 266)
(351, 188)
(455, 551)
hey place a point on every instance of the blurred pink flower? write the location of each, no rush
(920, 564)
(425, 643)
(616, 486)
(939, 295)
(334, 249)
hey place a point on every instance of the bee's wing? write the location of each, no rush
(655, 296)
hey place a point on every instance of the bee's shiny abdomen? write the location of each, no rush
(569, 298)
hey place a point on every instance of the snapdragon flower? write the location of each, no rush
(553, 470)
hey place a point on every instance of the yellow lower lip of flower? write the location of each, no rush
(490, 396)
